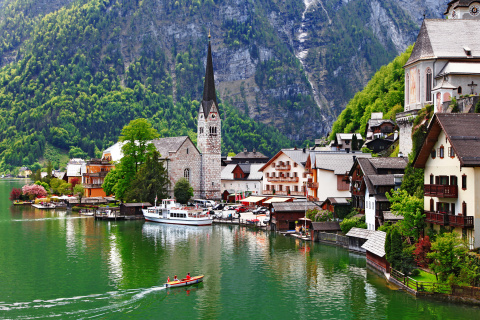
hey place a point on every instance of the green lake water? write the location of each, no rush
(60, 265)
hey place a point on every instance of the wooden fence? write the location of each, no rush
(434, 287)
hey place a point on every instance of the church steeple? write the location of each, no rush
(209, 94)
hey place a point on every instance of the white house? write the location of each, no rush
(450, 156)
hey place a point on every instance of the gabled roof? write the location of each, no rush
(209, 94)
(297, 155)
(252, 169)
(359, 233)
(250, 155)
(389, 163)
(326, 226)
(339, 163)
(376, 243)
(446, 39)
(171, 144)
(463, 133)
(294, 206)
(339, 201)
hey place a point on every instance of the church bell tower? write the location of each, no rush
(209, 134)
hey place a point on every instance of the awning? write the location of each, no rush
(277, 200)
(253, 199)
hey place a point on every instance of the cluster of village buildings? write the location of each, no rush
(339, 177)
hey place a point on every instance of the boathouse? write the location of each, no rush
(375, 249)
(357, 238)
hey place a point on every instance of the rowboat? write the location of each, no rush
(184, 282)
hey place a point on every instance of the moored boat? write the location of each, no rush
(46, 205)
(171, 213)
(184, 282)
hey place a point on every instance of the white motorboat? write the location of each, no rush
(171, 213)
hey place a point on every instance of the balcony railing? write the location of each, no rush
(100, 174)
(92, 185)
(297, 193)
(460, 221)
(441, 191)
(283, 167)
(282, 179)
(312, 185)
(448, 219)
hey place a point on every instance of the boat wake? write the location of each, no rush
(89, 306)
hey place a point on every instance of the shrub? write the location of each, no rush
(15, 194)
(350, 223)
(423, 247)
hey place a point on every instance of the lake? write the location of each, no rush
(60, 265)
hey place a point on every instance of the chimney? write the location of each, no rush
(254, 151)
(245, 150)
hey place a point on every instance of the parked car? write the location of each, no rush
(260, 210)
(240, 209)
(219, 206)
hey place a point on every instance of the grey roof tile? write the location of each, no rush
(359, 233)
(376, 243)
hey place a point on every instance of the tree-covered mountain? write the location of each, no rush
(76, 71)
(385, 92)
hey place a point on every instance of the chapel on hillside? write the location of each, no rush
(445, 63)
(200, 164)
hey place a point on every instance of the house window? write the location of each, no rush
(432, 205)
(451, 152)
(432, 177)
(268, 187)
(186, 174)
(464, 209)
(453, 180)
(267, 174)
(464, 182)
(201, 130)
(441, 152)
(459, 90)
(295, 165)
(296, 188)
(273, 165)
(187, 150)
(433, 154)
(295, 174)
(444, 180)
(428, 96)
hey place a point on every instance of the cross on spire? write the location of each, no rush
(472, 86)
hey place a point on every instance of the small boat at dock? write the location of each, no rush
(184, 282)
(45, 205)
(171, 213)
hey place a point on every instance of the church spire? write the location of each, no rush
(209, 94)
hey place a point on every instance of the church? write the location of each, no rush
(200, 164)
(444, 64)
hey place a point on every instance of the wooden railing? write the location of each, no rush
(441, 191)
(448, 219)
(282, 179)
(283, 167)
(312, 185)
(421, 286)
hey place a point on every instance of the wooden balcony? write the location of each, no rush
(283, 167)
(92, 185)
(282, 179)
(448, 219)
(460, 221)
(297, 193)
(441, 191)
(312, 185)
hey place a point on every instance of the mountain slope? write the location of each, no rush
(79, 70)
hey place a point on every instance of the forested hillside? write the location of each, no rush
(384, 93)
(76, 71)
(69, 90)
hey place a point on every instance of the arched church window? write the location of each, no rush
(186, 174)
(428, 85)
(201, 130)
(459, 90)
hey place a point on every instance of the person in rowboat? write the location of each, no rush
(188, 276)
(175, 278)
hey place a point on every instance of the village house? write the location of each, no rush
(92, 179)
(338, 206)
(371, 178)
(242, 178)
(347, 142)
(380, 133)
(75, 169)
(200, 164)
(287, 215)
(248, 157)
(284, 174)
(327, 174)
(443, 64)
(450, 156)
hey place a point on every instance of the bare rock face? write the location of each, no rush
(293, 65)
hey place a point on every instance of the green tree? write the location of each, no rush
(183, 191)
(394, 256)
(411, 208)
(110, 182)
(136, 138)
(150, 182)
(43, 184)
(76, 152)
(79, 191)
(448, 254)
